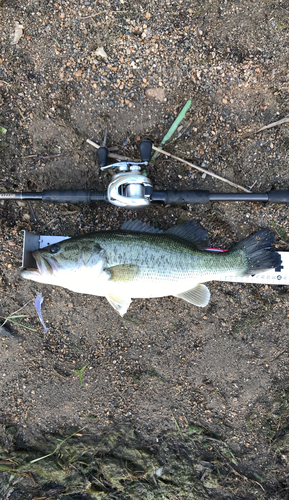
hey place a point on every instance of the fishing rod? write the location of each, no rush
(131, 188)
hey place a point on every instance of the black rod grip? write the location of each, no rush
(278, 196)
(181, 197)
(73, 196)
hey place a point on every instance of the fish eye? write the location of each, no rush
(54, 248)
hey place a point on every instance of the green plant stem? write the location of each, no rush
(177, 426)
(13, 316)
(173, 127)
(79, 372)
(57, 447)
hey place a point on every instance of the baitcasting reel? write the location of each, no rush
(130, 187)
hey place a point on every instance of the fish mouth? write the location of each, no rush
(45, 265)
(30, 273)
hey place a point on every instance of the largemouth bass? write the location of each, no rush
(139, 261)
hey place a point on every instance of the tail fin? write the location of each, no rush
(260, 252)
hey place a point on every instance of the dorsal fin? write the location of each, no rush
(192, 232)
(137, 225)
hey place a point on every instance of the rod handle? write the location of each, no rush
(171, 197)
(73, 196)
(278, 196)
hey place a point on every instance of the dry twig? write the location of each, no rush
(124, 158)
(274, 124)
(202, 170)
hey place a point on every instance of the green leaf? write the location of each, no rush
(195, 429)
(79, 372)
(23, 326)
(17, 316)
(259, 478)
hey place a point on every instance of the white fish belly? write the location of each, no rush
(149, 288)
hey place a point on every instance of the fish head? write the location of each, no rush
(66, 261)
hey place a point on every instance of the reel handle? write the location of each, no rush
(102, 155)
(145, 150)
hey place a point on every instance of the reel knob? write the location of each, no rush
(102, 155)
(145, 150)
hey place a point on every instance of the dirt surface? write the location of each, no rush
(173, 401)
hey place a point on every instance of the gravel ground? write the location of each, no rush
(166, 370)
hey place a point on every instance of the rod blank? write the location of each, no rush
(169, 197)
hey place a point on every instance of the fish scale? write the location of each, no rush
(160, 257)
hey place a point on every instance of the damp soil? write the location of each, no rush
(170, 401)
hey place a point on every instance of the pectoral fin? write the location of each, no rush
(123, 272)
(199, 295)
(119, 303)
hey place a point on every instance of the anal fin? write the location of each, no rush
(119, 303)
(198, 296)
